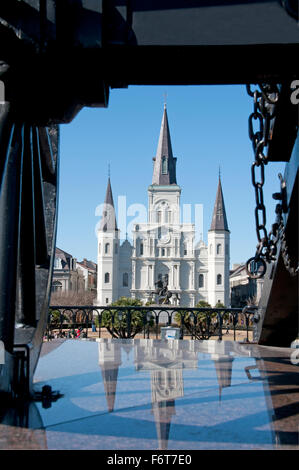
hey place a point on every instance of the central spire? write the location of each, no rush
(164, 162)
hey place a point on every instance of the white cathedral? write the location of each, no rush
(164, 248)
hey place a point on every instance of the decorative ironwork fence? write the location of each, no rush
(128, 321)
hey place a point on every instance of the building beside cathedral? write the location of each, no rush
(164, 247)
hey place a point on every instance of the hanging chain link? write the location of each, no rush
(263, 113)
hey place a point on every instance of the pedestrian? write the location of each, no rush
(93, 327)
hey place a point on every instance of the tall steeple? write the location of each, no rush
(219, 220)
(108, 221)
(164, 163)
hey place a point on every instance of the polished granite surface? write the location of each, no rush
(158, 395)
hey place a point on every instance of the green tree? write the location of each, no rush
(56, 318)
(201, 325)
(225, 315)
(124, 322)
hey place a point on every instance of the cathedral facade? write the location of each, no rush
(163, 248)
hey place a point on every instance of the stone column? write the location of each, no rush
(133, 274)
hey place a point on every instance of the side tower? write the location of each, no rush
(108, 253)
(218, 253)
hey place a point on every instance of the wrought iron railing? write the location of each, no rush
(129, 321)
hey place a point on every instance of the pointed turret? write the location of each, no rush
(223, 366)
(164, 163)
(108, 221)
(219, 220)
(218, 253)
(163, 412)
(109, 375)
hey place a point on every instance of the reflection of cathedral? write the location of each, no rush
(166, 361)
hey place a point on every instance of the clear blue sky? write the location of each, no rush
(208, 127)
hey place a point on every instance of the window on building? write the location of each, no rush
(201, 280)
(163, 252)
(125, 279)
(219, 249)
(56, 286)
(107, 248)
(185, 251)
(107, 300)
(219, 279)
(115, 248)
(159, 216)
(163, 277)
(107, 278)
(141, 249)
(164, 166)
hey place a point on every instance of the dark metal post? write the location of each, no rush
(129, 322)
(11, 157)
(220, 320)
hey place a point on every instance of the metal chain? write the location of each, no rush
(263, 113)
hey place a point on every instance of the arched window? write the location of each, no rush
(219, 279)
(125, 279)
(163, 277)
(200, 280)
(219, 249)
(107, 278)
(56, 286)
(107, 248)
(141, 248)
(164, 166)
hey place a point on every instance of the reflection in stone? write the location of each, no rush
(110, 361)
(166, 361)
(163, 412)
(223, 366)
(281, 388)
(21, 427)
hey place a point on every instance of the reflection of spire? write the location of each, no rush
(109, 375)
(223, 366)
(109, 360)
(163, 412)
(127, 346)
(166, 363)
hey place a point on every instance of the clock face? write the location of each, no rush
(165, 238)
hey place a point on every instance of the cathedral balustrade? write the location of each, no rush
(146, 321)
